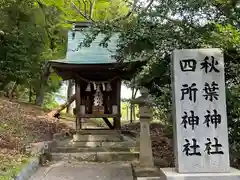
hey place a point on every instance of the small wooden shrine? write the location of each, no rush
(97, 77)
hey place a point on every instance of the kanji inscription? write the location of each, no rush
(200, 111)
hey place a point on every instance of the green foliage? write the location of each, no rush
(102, 9)
(151, 35)
(233, 112)
(33, 33)
(50, 102)
(13, 166)
(125, 111)
(17, 55)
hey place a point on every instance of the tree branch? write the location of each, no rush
(80, 4)
(85, 7)
(148, 6)
(79, 11)
(181, 23)
(129, 13)
(92, 4)
(133, 9)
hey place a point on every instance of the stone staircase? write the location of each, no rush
(96, 146)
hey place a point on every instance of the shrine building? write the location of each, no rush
(97, 76)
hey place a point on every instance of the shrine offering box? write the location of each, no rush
(94, 109)
(101, 109)
(98, 109)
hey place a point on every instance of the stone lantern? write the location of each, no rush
(146, 156)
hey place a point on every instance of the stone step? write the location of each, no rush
(97, 138)
(98, 131)
(149, 178)
(69, 149)
(96, 156)
(97, 144)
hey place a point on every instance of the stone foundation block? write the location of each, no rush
(172, 174)
(96, 138)
(116, 156)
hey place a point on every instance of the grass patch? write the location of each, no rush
(11, 165)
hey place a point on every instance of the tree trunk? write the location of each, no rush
(127, 113)
(69, 95)
(131, 113)
(30, 93)
(43, 81)
(134, 113)
(134, 106)
(131, 107)
(9, 89)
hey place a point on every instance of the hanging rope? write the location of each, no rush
(97, 82)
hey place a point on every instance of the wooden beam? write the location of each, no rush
(68, 71)
(78, 103)
(108, 123)
(117, 120)
(99, 115)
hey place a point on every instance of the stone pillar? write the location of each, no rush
(145, 143)
(146, 156)
(199, 117)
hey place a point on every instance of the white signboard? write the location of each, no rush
(200, 120)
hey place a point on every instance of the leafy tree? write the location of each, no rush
(18, 58)
(153, 31)
(30, 37)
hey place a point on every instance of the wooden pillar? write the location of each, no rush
(69, 95)
(117, 120)
(78, 103)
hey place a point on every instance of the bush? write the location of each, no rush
(233, 115)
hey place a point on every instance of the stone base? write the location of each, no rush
(147, 173)
(172, 174)
(96, 138)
